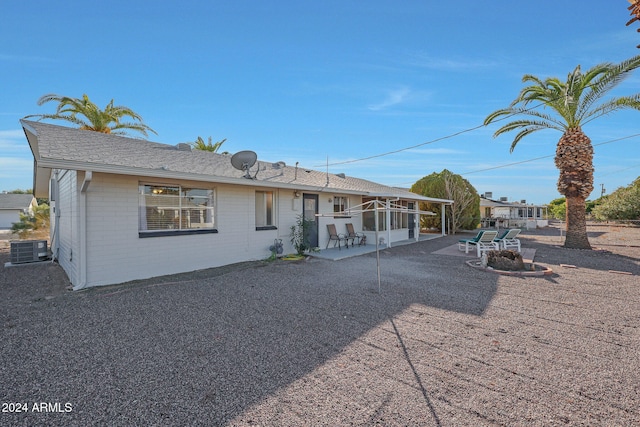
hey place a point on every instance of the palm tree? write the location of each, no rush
(199, 144)
(95, 119)
(571, 104)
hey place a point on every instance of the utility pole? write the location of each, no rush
(603, 190)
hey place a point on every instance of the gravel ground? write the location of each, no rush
(314, 343)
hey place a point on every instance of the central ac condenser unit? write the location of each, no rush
(28, 251)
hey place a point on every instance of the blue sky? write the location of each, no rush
(330, 81)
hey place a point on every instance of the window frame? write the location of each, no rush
(344, 203)
(184, 212)
(266, 213)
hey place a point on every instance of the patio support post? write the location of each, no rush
(387, 210)
(416, 223)
(442, 207)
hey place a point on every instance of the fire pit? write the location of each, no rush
(508, 262)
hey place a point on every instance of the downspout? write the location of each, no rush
(54, 197)
(88, 175)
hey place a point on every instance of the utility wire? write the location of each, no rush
(545, 157)
(620, 170)
(440, 138)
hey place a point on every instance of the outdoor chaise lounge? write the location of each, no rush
(463, 244)
(336, 237)
(353, 235)
(484, 241)
(508, 239)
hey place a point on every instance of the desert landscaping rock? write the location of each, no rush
(313, 343)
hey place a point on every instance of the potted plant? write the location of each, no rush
(300, 235)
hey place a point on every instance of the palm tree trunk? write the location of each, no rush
(574, 159)
(576, 224)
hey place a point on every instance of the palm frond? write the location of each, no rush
(524, 132)
(98, 120)
(626, 102)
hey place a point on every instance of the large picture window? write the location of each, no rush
(173, 209)
(265, 215)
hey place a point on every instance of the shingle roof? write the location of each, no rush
(15, 201)
(67, 148)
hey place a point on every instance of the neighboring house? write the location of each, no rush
(501, 213)
(125, 209)
(12, 205)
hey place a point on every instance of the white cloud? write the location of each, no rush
(10, 165)
(394, 97)
(13, 141)
(423, 60)
(11, 134)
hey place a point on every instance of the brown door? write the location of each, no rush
(310, 210)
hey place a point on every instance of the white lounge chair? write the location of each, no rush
(463, 244)
(508, 239)
(486, 242)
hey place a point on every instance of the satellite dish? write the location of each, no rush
(243, 160)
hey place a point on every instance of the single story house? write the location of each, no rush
(125, 208)
(12, 205)
(505, 214)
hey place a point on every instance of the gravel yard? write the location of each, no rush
(314, 343)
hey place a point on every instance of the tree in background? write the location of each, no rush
(199, 144)
(108, 120)
(465, 212)
(622, 204)
(569, 105)
(558, 208)
(36, 225)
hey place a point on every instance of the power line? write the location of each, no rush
(441, 138)
(620, 170)
(404, 149)
(545, 157)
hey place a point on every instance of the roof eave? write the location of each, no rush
(45, 165)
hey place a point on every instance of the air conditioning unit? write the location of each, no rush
(28, 251)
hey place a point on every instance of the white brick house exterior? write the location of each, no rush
(101, 215)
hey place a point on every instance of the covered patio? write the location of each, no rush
(336, 254)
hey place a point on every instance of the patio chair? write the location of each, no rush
(508, 239)
(463, 244)
(336, 237)
(484, 241)
(487, 242)
(353, 235)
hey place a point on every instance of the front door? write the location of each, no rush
(412, 221)
(310, 210)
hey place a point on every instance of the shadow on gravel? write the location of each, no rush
(209, 347)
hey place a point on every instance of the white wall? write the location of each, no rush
(115, 252)
(8, 217)
(64, 224)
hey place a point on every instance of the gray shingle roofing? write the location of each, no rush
(68, 148)
(15, 201)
